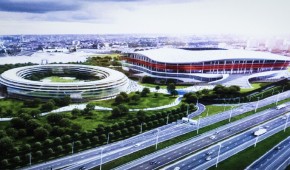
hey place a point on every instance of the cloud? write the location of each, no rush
(40, 6)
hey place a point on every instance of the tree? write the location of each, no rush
(89, 108)
(40, 133)
(119, 99)
(35, 113)
(4, 163)
(75, 112)
(16, 159)
(65, 122)
(49, 151)
(26, 147)
(59, 148)
(157, 88)
(135, 98)
(54, 118)
(48, 106)
(37, 145)
(17, 123)
(125, 96)
(6, 144)
(145, 91)
(119, 111)
(205, 91)
(66, 101)
(174, 92)
(57, 141)
(170, 87)
(141, 115)
(38, 154)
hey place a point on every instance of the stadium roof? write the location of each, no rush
(172, 55)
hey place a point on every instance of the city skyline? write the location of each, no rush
(251, 18)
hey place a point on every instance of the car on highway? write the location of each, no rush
(212, 137)
(137, 145)
(153, 162)
(176, 168)
(278, 148)
(259, 132)
(209, 152)
(82, 168)
(208, 158)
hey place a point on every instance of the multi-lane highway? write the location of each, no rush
(274, 158)
(91, 158)
(224, 149)
(175, 152)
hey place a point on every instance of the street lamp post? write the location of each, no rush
(277, 98)
(30, 158)
(167, 118)
(207, 111)
(101, 158)
(108, 138)
(217, 160)
(273, 91)
(286, 123)
(157, 135)
(187, 110)
(257, 104)
(141, 127)
(257, 139)
(283, 89)
(198, 124)
(231, 114)
(72, 147)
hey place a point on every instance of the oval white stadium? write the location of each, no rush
(112, 82)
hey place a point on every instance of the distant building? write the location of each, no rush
(202, 65)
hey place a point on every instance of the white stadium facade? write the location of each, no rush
(16, 83)
(187, 65)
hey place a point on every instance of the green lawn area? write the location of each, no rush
(214, 109)
(114, 55)
(254, 85)
(241, 160)
(144, 102)
(57, 79)
(98, 117)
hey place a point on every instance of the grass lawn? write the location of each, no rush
(213, 109)
(254, 85)
(138, 154)
(99, 117)
(57, 79)
(244, 158)
(144, 102)
(114, 55)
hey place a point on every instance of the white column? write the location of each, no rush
(257, 104)
(286, 123)
(101, 158)
(218, 156)
(157, 138)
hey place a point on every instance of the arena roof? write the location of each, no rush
(172, 55)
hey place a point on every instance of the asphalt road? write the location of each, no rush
(196, 160)
(168, 155)
(274, 157)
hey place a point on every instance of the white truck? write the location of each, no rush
(281, 106)
(190, 121)
(260, 132)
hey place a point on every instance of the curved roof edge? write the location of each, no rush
(173, 55)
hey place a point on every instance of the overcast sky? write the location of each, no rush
(246, 17)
